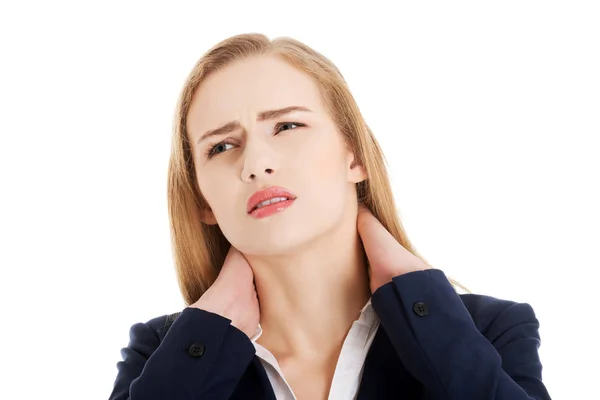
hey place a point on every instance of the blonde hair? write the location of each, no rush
(200, 249)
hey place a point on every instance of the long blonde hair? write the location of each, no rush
(200, 249)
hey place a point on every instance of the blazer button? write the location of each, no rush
(196, 350)
(421, 309)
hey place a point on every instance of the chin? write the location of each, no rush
(275, 239)
(286, 232)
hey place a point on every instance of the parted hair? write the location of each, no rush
(199, 249)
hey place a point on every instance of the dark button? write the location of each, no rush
(421, 309)
(196, 350)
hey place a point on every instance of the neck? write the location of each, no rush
(309, 300)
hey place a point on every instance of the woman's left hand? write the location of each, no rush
(387, 257)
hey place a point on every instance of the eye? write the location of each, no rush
(220, 147)
(288, 125)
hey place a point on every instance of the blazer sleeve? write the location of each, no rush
(436, 338)
(201, 356)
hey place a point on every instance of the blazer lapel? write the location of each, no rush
(384, 374)
(254, 384)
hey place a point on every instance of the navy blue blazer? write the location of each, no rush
(432, 343)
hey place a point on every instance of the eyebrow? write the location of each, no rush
(262, 116)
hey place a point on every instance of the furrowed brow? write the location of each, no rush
(262, 116)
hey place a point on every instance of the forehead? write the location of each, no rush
(249, 86)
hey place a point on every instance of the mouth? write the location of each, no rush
(268, 202)
(266, 197)
(274, 206)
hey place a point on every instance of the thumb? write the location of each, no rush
(236, 262)
(380, 246)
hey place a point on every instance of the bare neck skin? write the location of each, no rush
(309, 299)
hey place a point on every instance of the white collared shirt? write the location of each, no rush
(349, 368)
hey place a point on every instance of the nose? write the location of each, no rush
(260, 162)
(252, 177)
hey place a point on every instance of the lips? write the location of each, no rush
(267, 194)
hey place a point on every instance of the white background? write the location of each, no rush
(489, 115)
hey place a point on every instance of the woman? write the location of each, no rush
(275, 178)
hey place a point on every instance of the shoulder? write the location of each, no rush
(494, 317)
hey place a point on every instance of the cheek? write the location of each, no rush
(215, 191)
(324, 173)
(323, 158)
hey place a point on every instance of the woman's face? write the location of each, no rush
(301, 151)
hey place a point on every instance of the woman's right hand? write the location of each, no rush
(233, 294)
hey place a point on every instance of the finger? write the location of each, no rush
(235, 254)
(234, 258)
(362, 208)
(379, 244)
(237, 265)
